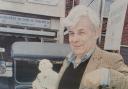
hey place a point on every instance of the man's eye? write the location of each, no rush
(80, 33)
(71, 33)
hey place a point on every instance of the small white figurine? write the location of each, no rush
(47, 78)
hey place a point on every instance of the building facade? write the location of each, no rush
(30, 20)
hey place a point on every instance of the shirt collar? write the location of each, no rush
(71, 57)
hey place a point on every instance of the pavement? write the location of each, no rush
(6, 83)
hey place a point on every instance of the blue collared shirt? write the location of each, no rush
(72, 57)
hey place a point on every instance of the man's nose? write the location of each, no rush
(75, 38)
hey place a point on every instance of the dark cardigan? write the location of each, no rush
(72, 76)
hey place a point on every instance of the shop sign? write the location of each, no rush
(24, 21)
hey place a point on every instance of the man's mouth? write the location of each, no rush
(76, 46)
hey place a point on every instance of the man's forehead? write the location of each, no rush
(78, 29)
(82, 24)
(85, 20)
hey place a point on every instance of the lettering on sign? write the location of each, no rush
(24, 21)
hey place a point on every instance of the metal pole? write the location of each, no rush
(73, 3)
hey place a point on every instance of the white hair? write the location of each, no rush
(79, 11)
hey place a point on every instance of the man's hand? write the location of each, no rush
(97, 78)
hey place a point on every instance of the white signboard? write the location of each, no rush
(115, 25)
(47, 2)
(94, 4)
(2, 49)
(24, 21)
(16, 1)
(106, 7)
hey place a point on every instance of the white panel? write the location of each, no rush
(9, 70)
(106, 8)
(115, 25)
(85, 2)
(47, 2)
(55, 23)
(2, 50)
(94, 4)
(35, 8)
(15, 1)
(26, 32)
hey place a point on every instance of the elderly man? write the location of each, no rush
(89, 67)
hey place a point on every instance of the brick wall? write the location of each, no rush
(124, 50)
(69, 5)
(104, 25)
(125, 30)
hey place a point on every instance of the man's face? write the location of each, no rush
(82, 36)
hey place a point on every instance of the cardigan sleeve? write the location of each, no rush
(116, 77)
(119, 74)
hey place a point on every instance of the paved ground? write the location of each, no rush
(6, 83)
